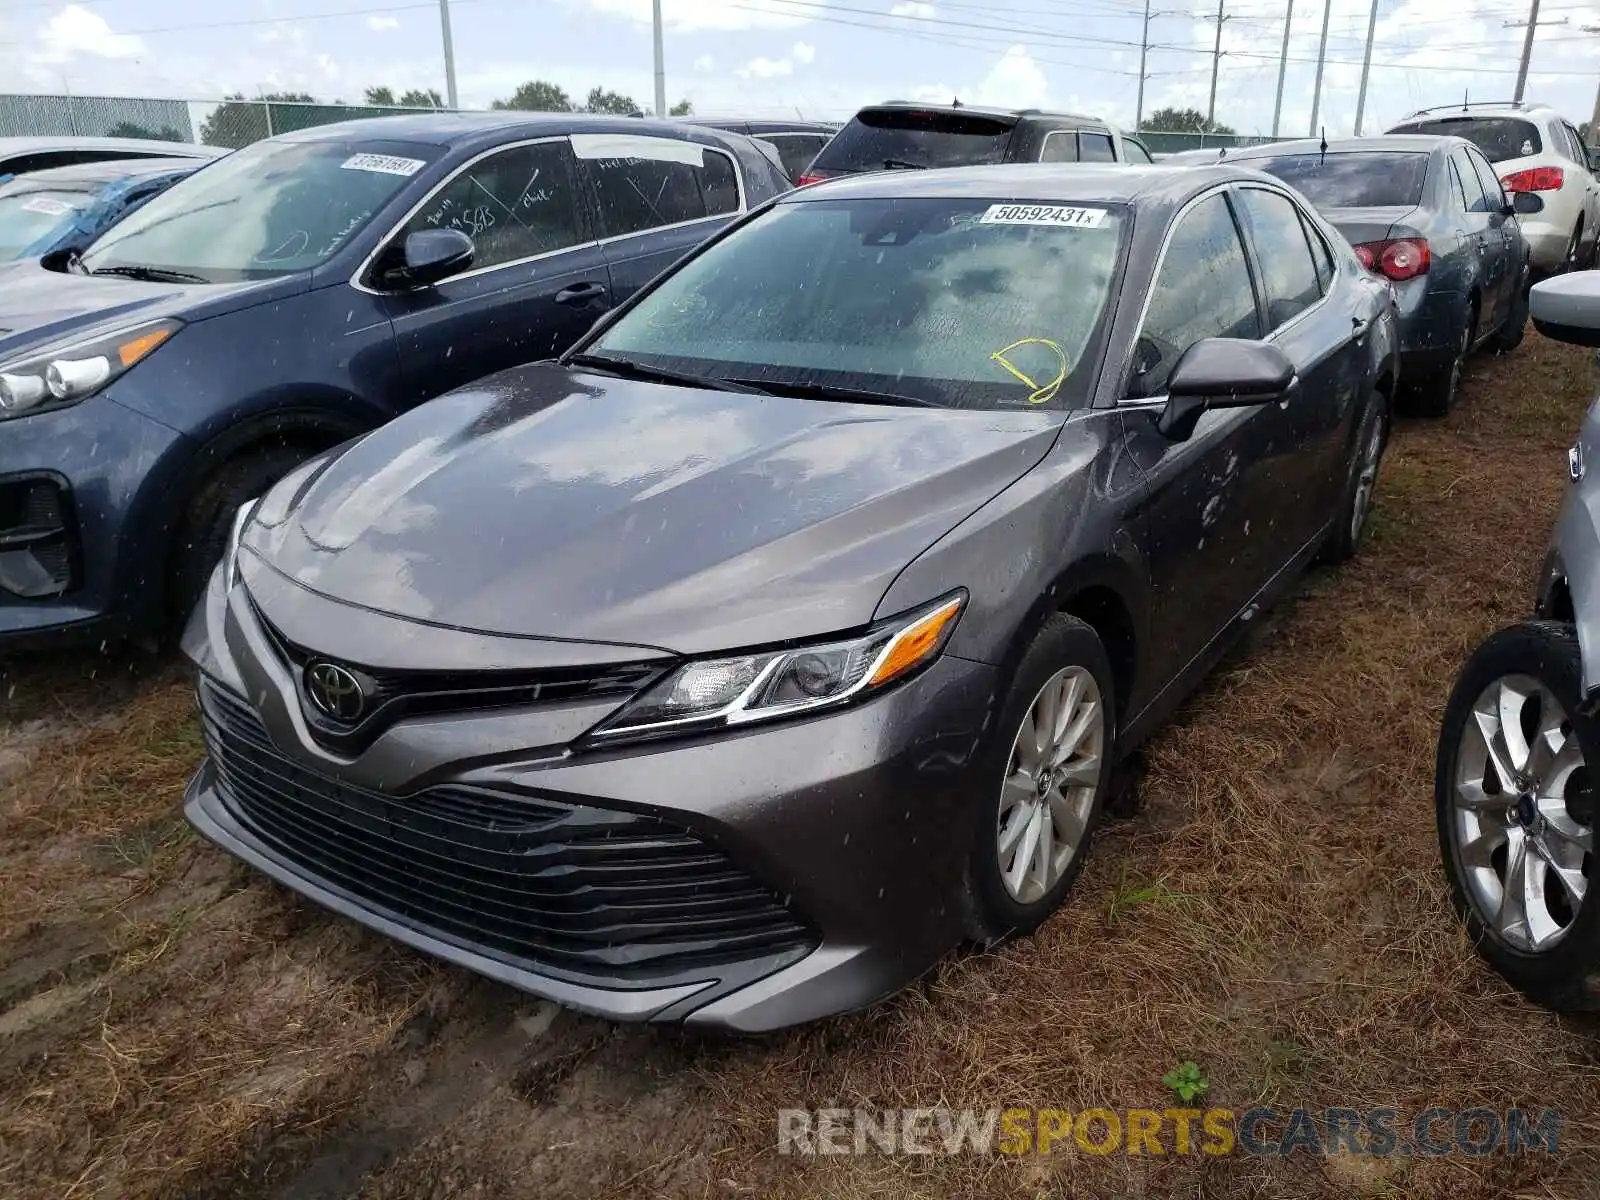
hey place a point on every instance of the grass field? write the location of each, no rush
(173, 1026)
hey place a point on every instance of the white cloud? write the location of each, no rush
(765, 68)
(705, 64)
(914, 9)
(1014, 81)
(76, 31)
(804, 52)
(379, 24)
(685, 15)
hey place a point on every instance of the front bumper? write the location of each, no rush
(100, 459)
(855, 825)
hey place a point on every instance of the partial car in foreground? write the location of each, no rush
(293, 295)
(66, 208)
(24, 155)
(1428, 214)
(900, 136)
(1537, 154)
(1515, 785)
(732, 668)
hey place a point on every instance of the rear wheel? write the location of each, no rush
(1515, 808)
(1050, 763)
(1438, 395)
(1570, 262)
(1350, 529)
(1509, 336)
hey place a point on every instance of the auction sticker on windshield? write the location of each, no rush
(1062, 215)
(48, 206)
(384, 163)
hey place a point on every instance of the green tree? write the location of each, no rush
(1182, 120)
(132, 129)
(383, 97)
(379, 97)
(602, 101)
(537, 96)
(240, 120)
(683, 108)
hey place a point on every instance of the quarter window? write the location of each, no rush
(1288, 272)
(1456, 191)
(1490, 182)
(645, 183)
(1320, 254)
(1059, 146)
(1095, 147)
(1135, 151)
(1203, 290)
(513, 204)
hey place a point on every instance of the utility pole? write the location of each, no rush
(661, 63)
(1322, 58)
(1533, 24)
(1216, 63)
(449, 55)
(1366, 66)
(1594, 121)
(1283, 67)
(1144, 46)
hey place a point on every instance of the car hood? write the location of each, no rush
(39, 307)
(547, 502)
(1373, 224)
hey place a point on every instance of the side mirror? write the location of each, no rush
(430, 255)
(1222, 373)
(1567, 308)
(1527, 202)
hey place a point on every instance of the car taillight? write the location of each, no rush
(1400, 259)
(1535, 179)
(807, 179)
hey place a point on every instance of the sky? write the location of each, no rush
(819, 58)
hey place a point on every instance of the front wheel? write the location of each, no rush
(1049, 762)
(1361, 484)
(1515, 807)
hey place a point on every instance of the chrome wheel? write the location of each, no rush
(1366, 480)
(1049, 789)
(1522, 822)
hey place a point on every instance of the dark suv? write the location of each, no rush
(797, 142)
(900, 135)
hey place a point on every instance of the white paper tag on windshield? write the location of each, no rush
(1061, 215)
(385, 164)
(47, 206)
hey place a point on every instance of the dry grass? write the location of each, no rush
(170, 1026)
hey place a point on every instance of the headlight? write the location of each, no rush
(723, 692)
(230, 556)
(72, 372)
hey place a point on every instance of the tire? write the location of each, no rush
(203, 532)
(1355, 508)
(1530, 672)
(1570, 260)
(1509, 335)
(1013, 892)
(1438, 395)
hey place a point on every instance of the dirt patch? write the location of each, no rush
(171, 1025)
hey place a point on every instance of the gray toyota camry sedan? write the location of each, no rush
(784, 634)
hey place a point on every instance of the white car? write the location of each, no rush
(1540, 157)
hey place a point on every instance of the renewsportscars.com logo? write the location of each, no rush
(1260, 1132)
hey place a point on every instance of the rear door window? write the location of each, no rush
(1499, 138)
(877, 138)
(647, 182)
(1477, 202)
(1060, 145)
(1095, 147)
(1288, 271)
(1489, 181)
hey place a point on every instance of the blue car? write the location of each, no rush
(66, 208)
(297, 294)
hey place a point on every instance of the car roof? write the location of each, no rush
(472, 128)
(1388, 143)
(757, 127)
(10, 146)
(1479, 109)
(110, 171)
(1044, 183)
(1011, 114)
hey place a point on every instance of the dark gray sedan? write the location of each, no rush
(733, 668)
(1428, 214)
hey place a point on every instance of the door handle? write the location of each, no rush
(580, 294)
(1359, 327)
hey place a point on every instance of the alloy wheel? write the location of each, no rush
(1366, 480)
(1049, 789)
(1523, 815)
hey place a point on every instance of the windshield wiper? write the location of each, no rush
(151, 274)
(900, 164)
(629, 368)
(831, 391)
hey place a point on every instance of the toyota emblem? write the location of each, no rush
(336, 692)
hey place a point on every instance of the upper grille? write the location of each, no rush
(391, 695)
(574, 890)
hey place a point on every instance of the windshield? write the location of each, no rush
(30, 216)
(962, 303)
(1367, 180)
(273, 208)
(879, 138)
(1499, 138)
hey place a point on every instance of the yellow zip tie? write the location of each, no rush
(1041, 395)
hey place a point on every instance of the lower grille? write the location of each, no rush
(577, 891)
(37, 539)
